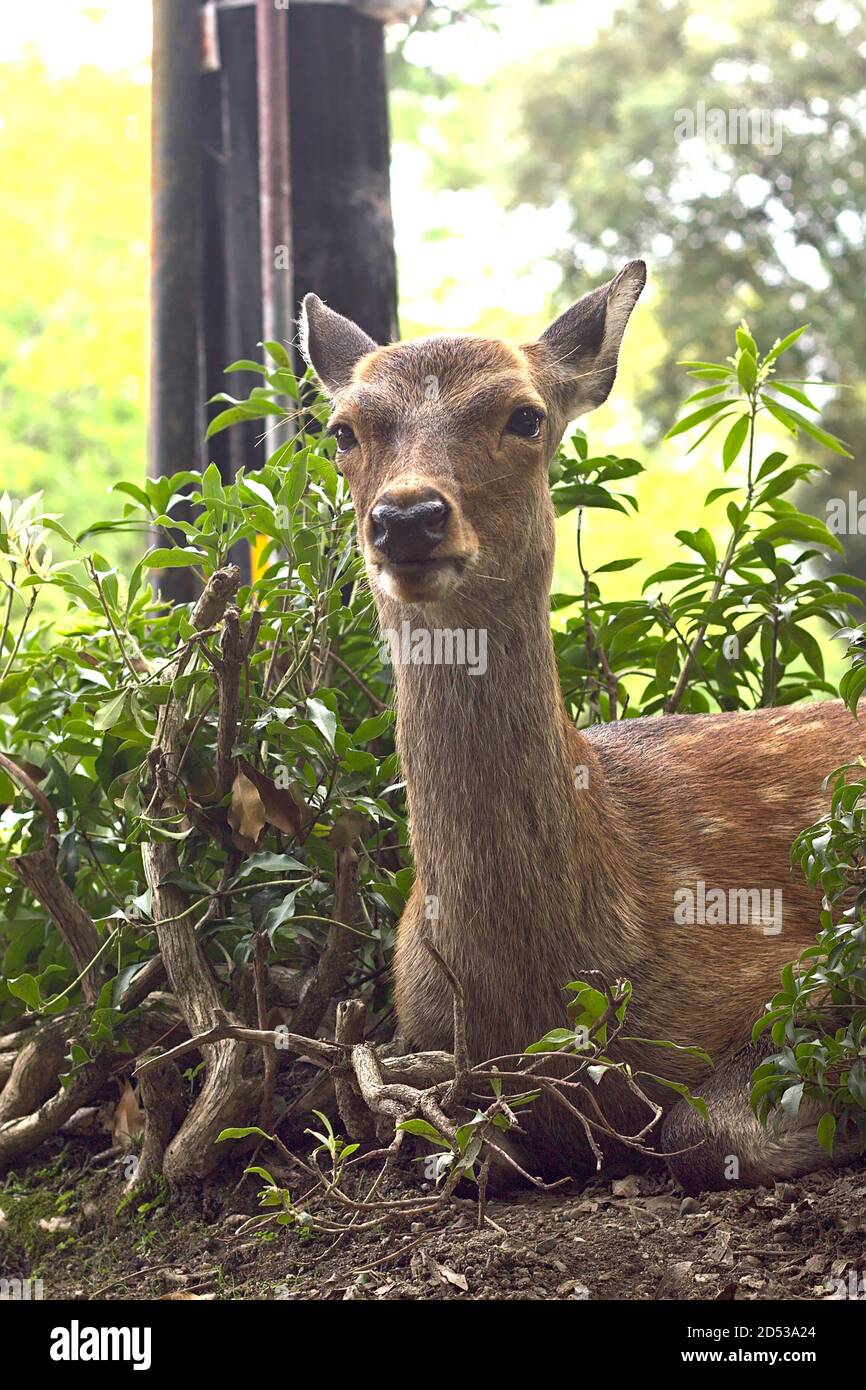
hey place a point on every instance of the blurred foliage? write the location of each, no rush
(731, 230)
(74, 205)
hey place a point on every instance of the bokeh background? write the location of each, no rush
(534, 149)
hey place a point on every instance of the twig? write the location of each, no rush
(35, 791)
(335, 959)
(380, 705)
(269, 1055)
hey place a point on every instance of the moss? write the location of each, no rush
(25, 1241)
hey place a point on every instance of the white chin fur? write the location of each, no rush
(436, 585)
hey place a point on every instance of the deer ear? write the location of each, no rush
(330, 343)
(583, 343)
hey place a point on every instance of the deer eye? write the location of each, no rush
(345, 438)
(526, 422)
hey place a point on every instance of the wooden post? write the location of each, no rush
(176, 412)
(342, 232)
(271, 178)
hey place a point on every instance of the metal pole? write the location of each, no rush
(272, 53)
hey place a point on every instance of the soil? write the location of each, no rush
(633, 1238)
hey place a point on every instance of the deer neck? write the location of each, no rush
(506, 840)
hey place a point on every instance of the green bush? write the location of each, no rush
(81, 699)
(817, 1020)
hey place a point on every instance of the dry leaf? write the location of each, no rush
(128, 1119)
(625, 1187)
(247, 811)
(281, 809)
(346, 828)
(449, 1276)
(55, 1223)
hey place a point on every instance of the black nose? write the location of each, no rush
(407, 529)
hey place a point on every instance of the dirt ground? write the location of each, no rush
(635, 1238)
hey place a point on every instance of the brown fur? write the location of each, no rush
(537, 880)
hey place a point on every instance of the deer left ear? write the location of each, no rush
(583, 343)
(331, 343)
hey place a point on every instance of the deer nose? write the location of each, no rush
(407, 529)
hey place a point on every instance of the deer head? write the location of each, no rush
(445, 441)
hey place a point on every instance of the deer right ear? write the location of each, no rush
(331, 344)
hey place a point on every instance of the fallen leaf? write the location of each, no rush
(449, 1276)
(128, 1119)
(572, 1288)
(625, 1187)
(55, 1223)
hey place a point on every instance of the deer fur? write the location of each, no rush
(534, 878)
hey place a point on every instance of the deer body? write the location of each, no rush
(530, 874)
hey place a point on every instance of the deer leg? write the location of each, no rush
(733, 1148)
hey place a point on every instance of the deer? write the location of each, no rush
(537, 875)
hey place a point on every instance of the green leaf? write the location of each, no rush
(794, 421)
(178, 557)
(808, 645)
(613, 566)
(697, 417)
(254, 409)
(243, 1133)
(324, 719)
(112, 713)
(262, 1173)
(770, 464)
(747, 370)
(792, 1099)
(783, 345)
(296, 481)
(425, 1130)
(702, 542)
(277, 351)
(25, 987)
(373, 727)
(801, 528)
(794, 392)
(246, 364)
(568, 496)
(269, 863)
(734, 441)
(13, 684)
(826, 1132)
